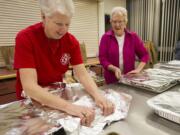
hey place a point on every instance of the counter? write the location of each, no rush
(6, 74)
(141, 119)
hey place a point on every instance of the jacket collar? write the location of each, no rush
(111, 32)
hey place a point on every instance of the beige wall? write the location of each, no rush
(109, 4)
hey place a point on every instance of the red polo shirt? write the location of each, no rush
(49, 57)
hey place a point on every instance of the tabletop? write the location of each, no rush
(141, 119)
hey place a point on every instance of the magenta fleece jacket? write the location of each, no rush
(109, 53)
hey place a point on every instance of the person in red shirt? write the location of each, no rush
(43, 53)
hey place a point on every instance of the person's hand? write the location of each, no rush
(106, 106)
(116, 70)
(84, 113)
(136, 71)
(117, 73)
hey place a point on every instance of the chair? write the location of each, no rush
(177, 51)
(149, 45)
(7, 56)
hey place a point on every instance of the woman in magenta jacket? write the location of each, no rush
(119, 47)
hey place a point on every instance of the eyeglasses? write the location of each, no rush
(118, 22)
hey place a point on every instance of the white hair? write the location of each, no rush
(121, 11)
(48, 7)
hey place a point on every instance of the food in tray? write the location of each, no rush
(173, 65)
(137, 77)
(19, 118)
(122, 102)
(28, 116)
(156, 80)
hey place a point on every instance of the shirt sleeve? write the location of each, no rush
(140, 49)
(76, 57)
(103, 49)
(23, 57)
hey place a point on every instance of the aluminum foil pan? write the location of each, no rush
(23, 118)
(167, 105)
(156, 80)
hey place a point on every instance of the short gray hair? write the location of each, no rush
(121, 11)
(48, 7)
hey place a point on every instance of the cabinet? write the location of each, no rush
(7, 90)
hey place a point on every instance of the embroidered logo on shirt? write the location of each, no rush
(65, 59)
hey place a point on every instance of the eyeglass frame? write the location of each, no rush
(118, 22)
